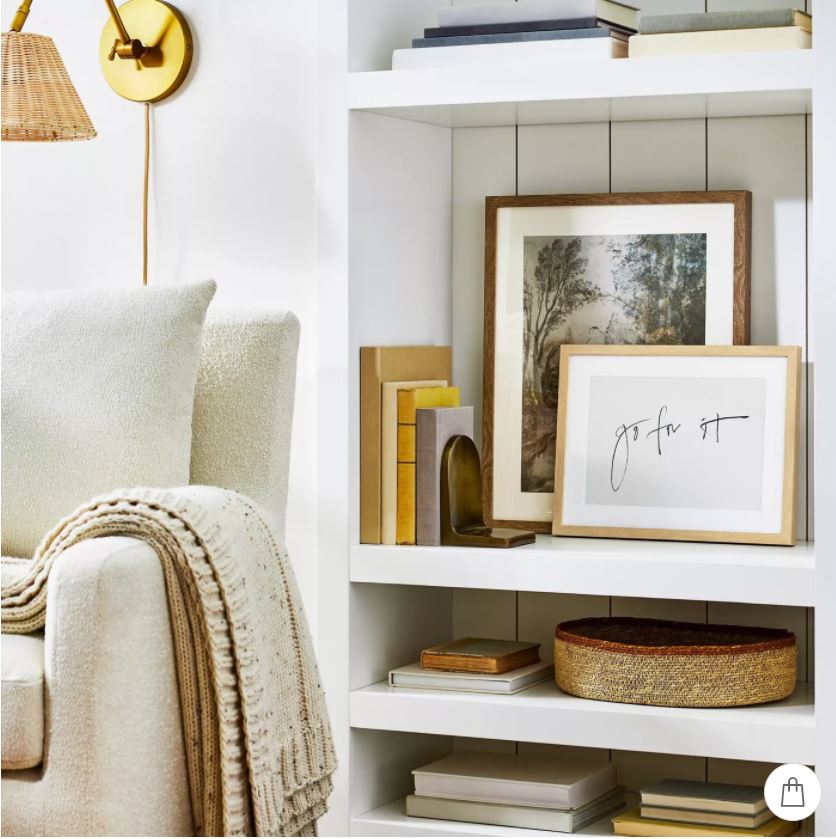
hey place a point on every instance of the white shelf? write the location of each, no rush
(746, 84)
(780, 732)
(628, 568)
(391, 820)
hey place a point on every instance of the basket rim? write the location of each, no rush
(774, 639)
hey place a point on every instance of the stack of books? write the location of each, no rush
(475, 665)
(409, 410)
(760, 30)
(519, 791)
(506, 33)
(697, 808)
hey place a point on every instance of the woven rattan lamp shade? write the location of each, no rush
(39, 100)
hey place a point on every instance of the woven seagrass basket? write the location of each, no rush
(684, 665)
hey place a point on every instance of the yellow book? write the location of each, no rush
(409, 401)
(630, 823)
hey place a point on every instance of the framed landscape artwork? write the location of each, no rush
(669, 268)
(684, 443)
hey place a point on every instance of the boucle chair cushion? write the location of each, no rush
(243, 407)
(97, 394)
(22, 700)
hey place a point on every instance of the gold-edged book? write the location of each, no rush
(480, 655)
(631, 823)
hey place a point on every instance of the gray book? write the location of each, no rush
(526, 780)
(702, 22)
(433, 428)
(514, 37)
(510, 815)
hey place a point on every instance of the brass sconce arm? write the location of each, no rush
(128, 48)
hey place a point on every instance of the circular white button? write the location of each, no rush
(792, 792)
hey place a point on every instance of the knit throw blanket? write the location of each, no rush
(256, 732)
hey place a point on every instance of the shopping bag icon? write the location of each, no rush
(792, 793)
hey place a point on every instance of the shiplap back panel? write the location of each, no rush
(766, 155)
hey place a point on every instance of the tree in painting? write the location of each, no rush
(631, 289)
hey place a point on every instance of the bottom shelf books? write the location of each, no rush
(699, 808)
(517, 791)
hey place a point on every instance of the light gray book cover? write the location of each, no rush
(702, 22)
(433, 428)
(512, 37)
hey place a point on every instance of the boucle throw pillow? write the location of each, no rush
(97, 393)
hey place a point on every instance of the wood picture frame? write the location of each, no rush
(735, 232)
(673, 425)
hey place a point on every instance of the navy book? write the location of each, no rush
(512, 37)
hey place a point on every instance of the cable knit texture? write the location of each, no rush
(258, 742)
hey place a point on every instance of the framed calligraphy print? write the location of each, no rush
(686, 443)
(663, 268)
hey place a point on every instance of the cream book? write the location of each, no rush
(771, 39)
(389, 453)
(528, 780)
(679, 814)
(420, 678)
(510, 815)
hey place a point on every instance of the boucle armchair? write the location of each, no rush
(92, 738)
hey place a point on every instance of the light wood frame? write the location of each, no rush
(740, 199)
(786, 536)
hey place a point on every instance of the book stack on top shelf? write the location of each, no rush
(475, 665)
(527, 30)
(759, 30)
(518, 791)
(700, 808)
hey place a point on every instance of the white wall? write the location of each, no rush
(232, 187)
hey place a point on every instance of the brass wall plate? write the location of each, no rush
(166, 63)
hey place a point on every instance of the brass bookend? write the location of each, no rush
(462, 520)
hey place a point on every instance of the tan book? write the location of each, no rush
(409, 401)
(389, 453)
(480, 655)
(706, 817)
(740, 799)
(378, 365)
(770, 39)
(631, 823)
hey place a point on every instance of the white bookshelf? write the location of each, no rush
(680, 571)
(780, 732)
(679, 87)
(404, 162)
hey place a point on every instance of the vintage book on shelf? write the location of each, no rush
(518, 779)
(676, 814)
(378, 365)
(433, 428)
(620, 14)
(481, 655)
(721, 40)
(704, 22)
(632, 824)
(516, 37)
(409, 401)
(419, 678)
(577, 49)
(389, 454)
(703, 795)
(510, 815)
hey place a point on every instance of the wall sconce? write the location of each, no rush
(145, 53)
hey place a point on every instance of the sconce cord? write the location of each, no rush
(145, 193)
